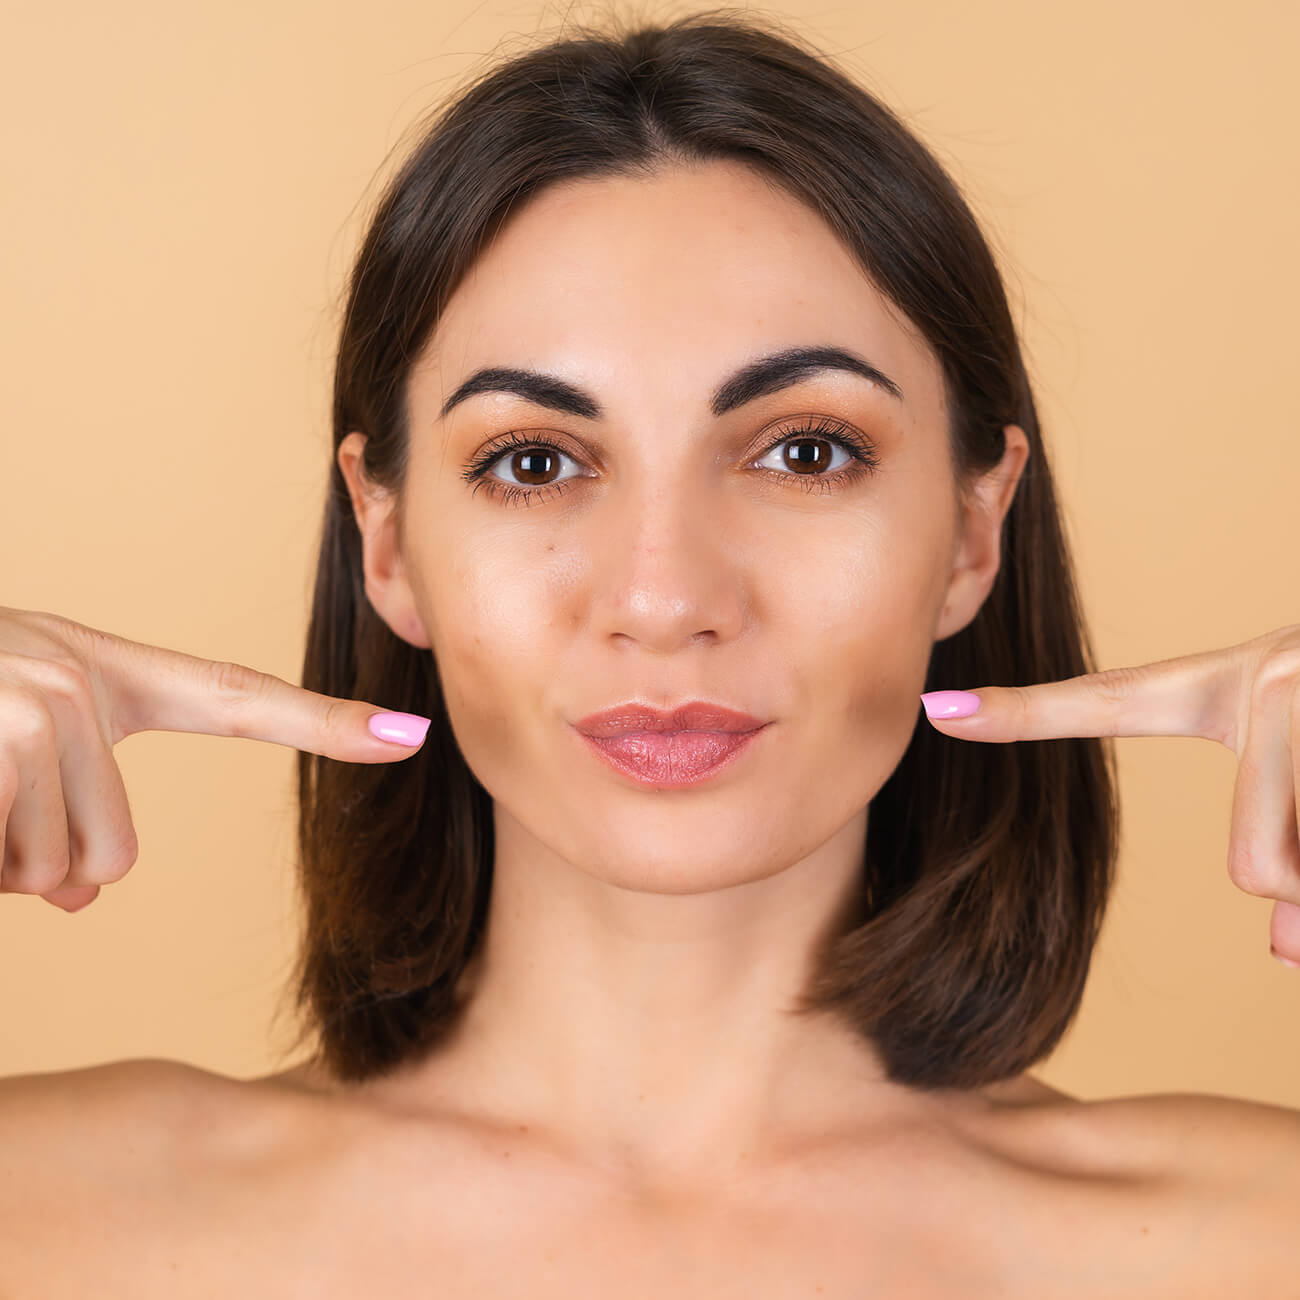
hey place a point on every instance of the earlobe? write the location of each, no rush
(384, 571)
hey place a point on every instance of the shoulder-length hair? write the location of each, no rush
(987, 867)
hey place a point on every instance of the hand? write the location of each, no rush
(69, 693)
(1246, 697)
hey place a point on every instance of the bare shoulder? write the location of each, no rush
(149, 1101)
(1161, 1136)
(145, 1115)
(1222, 1144)
(1240, 1152)
(103, 1145)
(1233, 1167)
(54, 1113)
(1192, 1194)
(63, 1131)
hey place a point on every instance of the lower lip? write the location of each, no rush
(672, 759)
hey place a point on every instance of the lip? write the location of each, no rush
(633, 716)
(670, 760)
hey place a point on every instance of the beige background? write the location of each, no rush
(184, 188)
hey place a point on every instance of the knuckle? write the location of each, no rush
(1113, 688)
(1278, 672)
(44, 638)
(104, 860)
(1249, 875)
(37, 617)
(334, 718)
(118, 862)
(26, 876)
(1020, 703)
(54, 628)
(24, 717)
(237, 681)
(238, 686)
(1115, 685)
(65, 679)
(69, 636)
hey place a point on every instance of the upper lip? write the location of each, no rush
(694, 715)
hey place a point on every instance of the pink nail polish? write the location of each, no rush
(400, 728)
(1286, 961)
(950, 704)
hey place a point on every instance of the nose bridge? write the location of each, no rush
(657, 523)
(663, 567)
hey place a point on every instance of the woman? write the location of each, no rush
(682, 438)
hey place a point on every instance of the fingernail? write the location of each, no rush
(950, 704)
(1286, 961)
(400, 728)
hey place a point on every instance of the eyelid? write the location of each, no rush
(863, 459)
(796, 425)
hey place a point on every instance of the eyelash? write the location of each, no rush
(864, 461)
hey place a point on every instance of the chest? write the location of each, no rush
(453, 1218)
(454, 1253)
(523, 1231)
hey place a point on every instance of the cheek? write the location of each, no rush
(871, 713)
(867, 632)
(489, 620)
(879, 708)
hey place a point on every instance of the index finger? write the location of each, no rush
(153, 688)
(1190, 695)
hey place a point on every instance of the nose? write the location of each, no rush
(667, 570)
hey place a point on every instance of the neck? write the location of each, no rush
(652, 1033)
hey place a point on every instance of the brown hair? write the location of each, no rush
(987, 867)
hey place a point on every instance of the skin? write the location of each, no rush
(626, 1106)
(643, 945)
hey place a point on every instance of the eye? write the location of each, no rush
(535, 457)
(538, 456)
(804, 448)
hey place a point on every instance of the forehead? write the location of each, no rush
(616, 281)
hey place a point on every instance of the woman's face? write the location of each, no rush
(680, 554)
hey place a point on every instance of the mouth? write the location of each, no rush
(633, 717)
(665, 760)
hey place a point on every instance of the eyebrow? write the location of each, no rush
(755, 379)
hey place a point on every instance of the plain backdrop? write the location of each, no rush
(184, 188)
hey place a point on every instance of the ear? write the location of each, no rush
(977, 549)
(387, 586)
